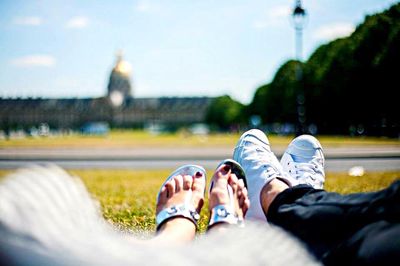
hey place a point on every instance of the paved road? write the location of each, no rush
(141, 153)
(372, 158)
(333, 164)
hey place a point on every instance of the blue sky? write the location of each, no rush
(56, 48)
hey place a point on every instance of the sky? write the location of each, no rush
(59, 48)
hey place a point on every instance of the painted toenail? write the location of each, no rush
(227, 168)
(199, 174)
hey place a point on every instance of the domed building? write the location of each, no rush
(119, 86)
(117, 108)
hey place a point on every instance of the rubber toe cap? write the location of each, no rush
(254, 135)
(305, 146)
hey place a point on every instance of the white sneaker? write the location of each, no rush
(304, 161)
(261, 166)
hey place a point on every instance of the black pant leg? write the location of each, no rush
(324, 219)
(375, 244)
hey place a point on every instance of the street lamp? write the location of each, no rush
(299, 18)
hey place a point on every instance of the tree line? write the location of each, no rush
(350, 85)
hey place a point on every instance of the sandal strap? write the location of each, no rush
(182, 210)
(224, 214)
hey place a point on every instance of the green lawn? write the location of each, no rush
(127, 197)
(131, 138)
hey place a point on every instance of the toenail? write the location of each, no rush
(199, 174)
(227, 168)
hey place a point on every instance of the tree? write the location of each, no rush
(348, 82)
(224, 112)
(276, 102)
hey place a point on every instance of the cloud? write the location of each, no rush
(77, 23)
(28, 21)
(279, 12)
(274, 17)
(145, 6)
(34, 61)
(333, 31)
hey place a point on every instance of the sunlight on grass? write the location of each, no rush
(134, 138)
(127, 197)
(123, 139)
(372, 181)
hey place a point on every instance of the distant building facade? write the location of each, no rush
(118, 107)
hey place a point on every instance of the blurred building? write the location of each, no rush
(119, 86)
(118, 108)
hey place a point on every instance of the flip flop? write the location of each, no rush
(225, 213)
(185, 209)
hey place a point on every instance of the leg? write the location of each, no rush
(323, 219)
(375, 244)
(302, 163)
(261, 166)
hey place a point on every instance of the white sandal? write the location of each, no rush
(186, 209)
(226, 213)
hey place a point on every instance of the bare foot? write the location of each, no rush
(181, 189)
(219, 195)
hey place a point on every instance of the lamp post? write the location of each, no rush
(299, 17)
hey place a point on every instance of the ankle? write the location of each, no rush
(269, 193)
(178, 227)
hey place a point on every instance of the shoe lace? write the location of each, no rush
(311, 170)
(270, 171)
(268, 163)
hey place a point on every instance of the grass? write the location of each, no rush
(132, 138)
(122, 139)
(127, 197)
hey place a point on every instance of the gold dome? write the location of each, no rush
(122, 67)
(119, 84)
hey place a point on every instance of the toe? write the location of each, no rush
(218, 191)
(198, 188)
(220, 180)
(170, 187)
(241, 183)
(178, 183)
(233, 182)
(245, 193)
(187, 182)
(222, 174)
(246, 206)
(199, 183)
(244, 201)
(241, 187)
(162, 197)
